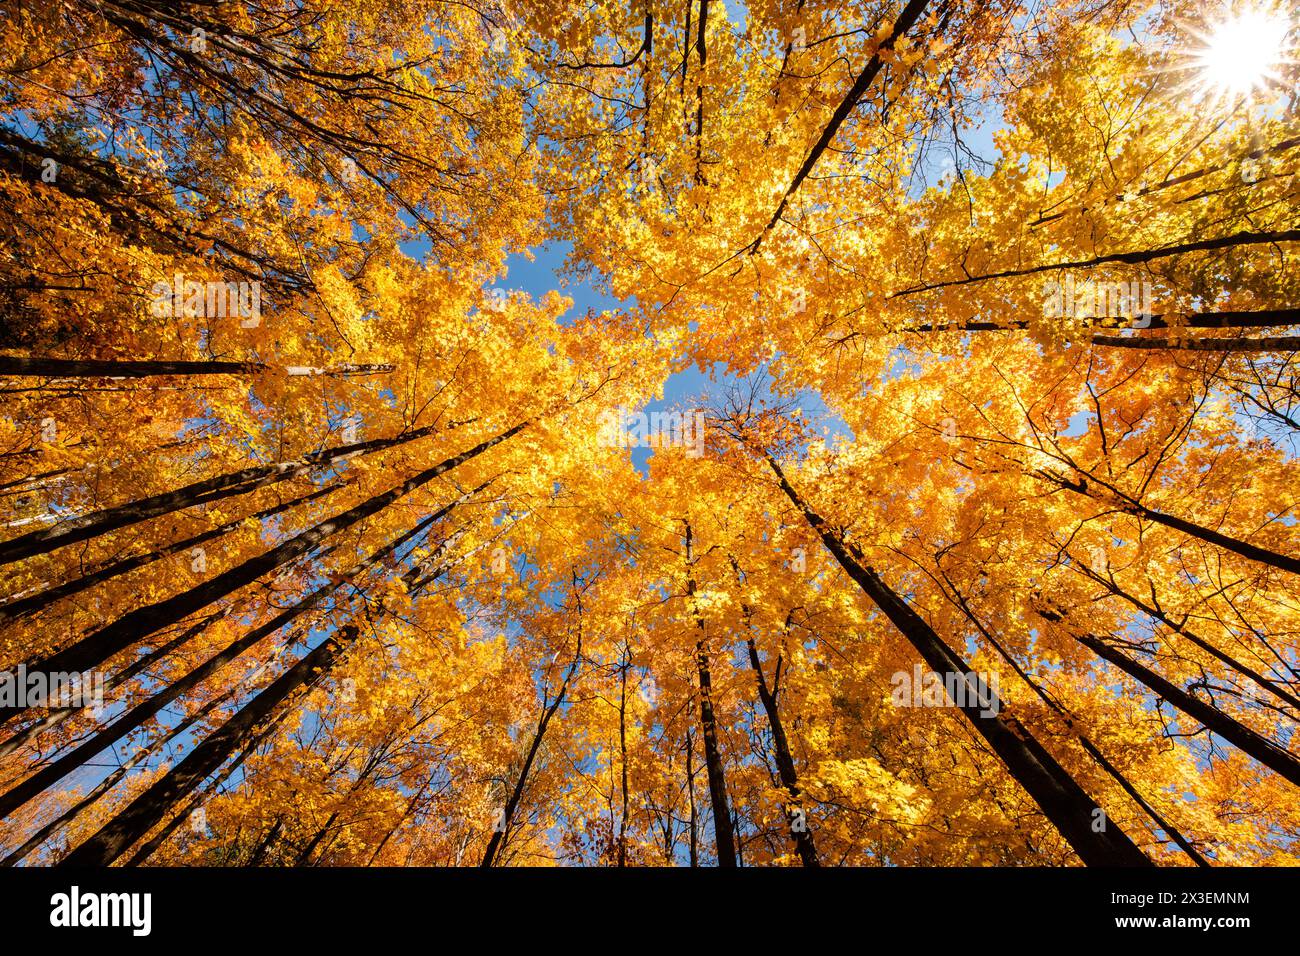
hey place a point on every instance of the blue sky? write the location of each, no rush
(686, 388)
(542, 274)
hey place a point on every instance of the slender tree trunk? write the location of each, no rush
(372, 764)
(265, 844)
(314, 842)
(149, 809)
(723, 833)
(139, 715)
(1256, 318)
(1281, 147)
(109, 368)
(516, 794)
(906, 18)
(1243, 238)
(622, 749)
(1065, 804)
(101, 645)
(1095, 752)
(409, 809)
(1129, 506)
(234, 483)
(1236, 733)
(109, 782)
(135, 667)
(38, 602)
(149, 847)
(1267, 343)
(799, 832)
(690, 791)
(699, 92)
(1158, 615)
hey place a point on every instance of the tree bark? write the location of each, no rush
(216, 488)
(38, 602)
(98, 647)
(21, 366)
(135, 667)
(803, 838)
(1209, 535)
(909, 15)
(622, 756)
(516, 793)
(1268, 343)
(785, 768)
(723, 833)
(137, 716)
(110, 781)
(694, 844)
(1093, 750)
(148, 810)
(1065, 804)
(1243, 238)
(1258, 318)
(1158, 615)
(1247, 740)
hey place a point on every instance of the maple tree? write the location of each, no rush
(984, 549)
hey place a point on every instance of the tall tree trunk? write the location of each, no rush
(1093, 750)
(259, 737)
(1065, 804)
(699, 92)
(516, 793)
(1085, 487)
(1228, 161)
(101, 645)
(233, 483)
(137, 666)
(723, 833)
(109, 782)
(1231, 730)
(622, 756)
(690, 792)
(906, 18)
(38, 602)
(1137, 257)
(314, 842)
(149, 809)
(139, 715)
(1266, 343)
(799, 832)
(141, 368)
(265, 844)
(1254, 318)
(304, 858)
(1157, 614)
(411, 805)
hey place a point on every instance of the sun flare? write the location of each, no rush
(1239, 55)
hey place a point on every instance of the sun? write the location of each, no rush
(1238, 55)
(1242, 53)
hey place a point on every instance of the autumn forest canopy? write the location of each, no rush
(324, 543)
